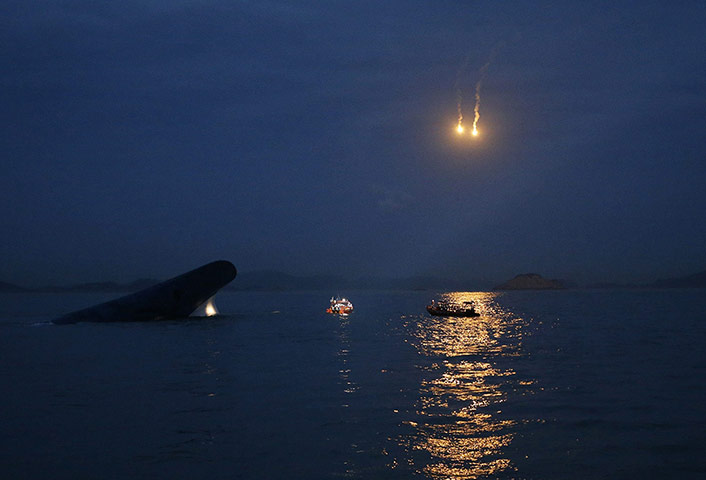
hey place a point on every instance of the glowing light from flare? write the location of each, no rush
(479, 84)
(460, 130)
(211, 309)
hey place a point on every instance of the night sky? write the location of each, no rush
(142, 139)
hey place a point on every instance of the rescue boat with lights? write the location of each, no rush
(341, 306)
(448, 309)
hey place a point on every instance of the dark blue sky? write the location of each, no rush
(145, 138)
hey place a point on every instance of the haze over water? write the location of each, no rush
(580, 384)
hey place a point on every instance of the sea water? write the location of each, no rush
(543, 385)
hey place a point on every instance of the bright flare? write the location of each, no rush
(459, 129)
(474, 132)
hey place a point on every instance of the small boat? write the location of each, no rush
(341, 306)
(447, 309)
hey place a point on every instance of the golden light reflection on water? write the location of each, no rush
(458, 427)
(456, 336)
(344, 372)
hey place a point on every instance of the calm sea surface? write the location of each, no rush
(544, 385)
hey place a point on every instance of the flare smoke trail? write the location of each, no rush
(459, 127)
(459, 93)
(459, 96)
(476, 109)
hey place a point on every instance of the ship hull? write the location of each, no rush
(177, 297)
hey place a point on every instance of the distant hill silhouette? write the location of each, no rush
(614, 286)
(110, 286)
(269, 280)
(9, 287)
(84, 287)
(530, 281)
(696, 280)
(274, 281)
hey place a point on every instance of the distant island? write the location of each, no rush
(9, 287)
(280, 281)
(274, 281)
(697, 280)
(267, 280)
(530, 281)
(92, 287)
